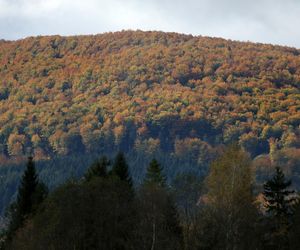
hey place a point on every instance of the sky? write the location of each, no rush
(265, 21)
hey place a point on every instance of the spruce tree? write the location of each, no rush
(154, 174)
(98, 169)
(27, 188)
(120, 168)
(279, 202)
(278, 196)
(159, 226)
(25, 199)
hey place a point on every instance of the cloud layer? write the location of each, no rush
(267, 21)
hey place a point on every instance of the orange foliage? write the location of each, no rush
(130, 83)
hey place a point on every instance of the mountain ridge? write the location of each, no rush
(150, 31)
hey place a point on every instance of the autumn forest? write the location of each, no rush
(181, 99)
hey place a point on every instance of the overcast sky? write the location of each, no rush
(267, 21)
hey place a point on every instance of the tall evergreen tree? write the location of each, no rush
(277, 195)
(279, 202)
(30, 192)
(27, 188)
(159, 226)
(98, 169)
(154, 174)
(120, 168)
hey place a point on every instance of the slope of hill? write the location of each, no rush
(176, 97)
(145, 91)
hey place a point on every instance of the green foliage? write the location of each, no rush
(27, 188)
(40, 194)
(186, 189)
(97, 169)
(93, 215)
(56, 171)
(30, 194)
(24, 203)
(278, 196)
(279, 201)
(52, 172)
(101, 212)
(120, 168)
(159, 226)
(154, 175)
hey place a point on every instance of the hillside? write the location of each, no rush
(176, 97)
(145, 91)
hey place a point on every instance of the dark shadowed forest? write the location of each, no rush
(105, 210)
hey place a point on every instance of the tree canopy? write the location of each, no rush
(158, 91)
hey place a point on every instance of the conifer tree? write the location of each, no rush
(279, 202)
(159, 221)
(27, 197)
(277, 195)
(98, 169)
(120, 168)
(28, 186)
(154, 174)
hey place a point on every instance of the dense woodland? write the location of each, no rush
(104, 210)
(146, 91)
(177, 98)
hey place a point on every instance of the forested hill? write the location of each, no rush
(147, 92)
